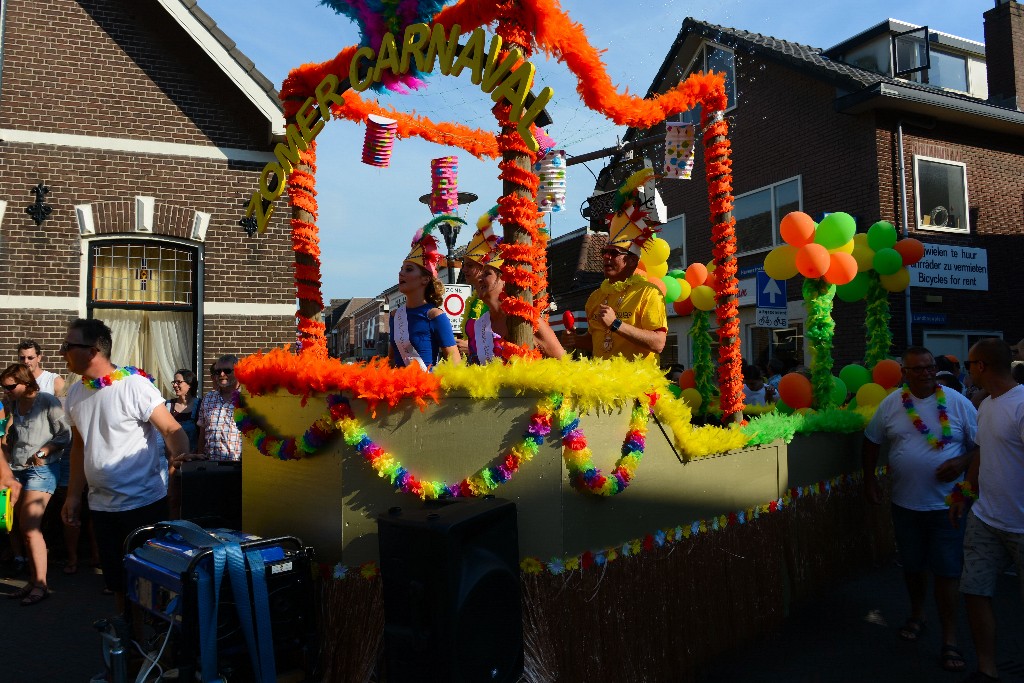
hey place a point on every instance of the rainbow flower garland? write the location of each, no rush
(311, 442)
(481, 483)
(915, 417)
(116, 376)
(658, 539)
(583, 475)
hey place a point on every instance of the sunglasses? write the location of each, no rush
(71, 345)
(612, 253)
(221, 371)
(10, 387)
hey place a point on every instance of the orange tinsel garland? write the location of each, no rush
(305, 373)
(306, 241)
(552, 31)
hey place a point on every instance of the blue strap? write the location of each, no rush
(240, 589)
(261, 603)
(209, 592)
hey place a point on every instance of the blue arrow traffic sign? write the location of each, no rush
(770, 293)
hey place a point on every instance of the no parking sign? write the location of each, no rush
(454, 304)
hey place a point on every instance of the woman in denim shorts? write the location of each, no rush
(37, 435)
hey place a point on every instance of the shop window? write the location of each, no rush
(941, 195)
(758, 214)
(145, 291)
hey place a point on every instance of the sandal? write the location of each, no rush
(71, 568)
(913, 629)
(36, 594)
(951, 659)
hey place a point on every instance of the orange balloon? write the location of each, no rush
(812, 260)
(696, 273)
(687, 380)
(795, 391)
(911, 250)
(842, 268)
(887, 373)
(641, 267)
(657, 282)
(710, 280)
(797, 228)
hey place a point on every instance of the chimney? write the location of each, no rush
(1004, 53)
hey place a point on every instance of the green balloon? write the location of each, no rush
(887, 261)
(852, 404)
(881, 235)
(854, 290)
(676, 273)
(675, 390)
(672, 288)
(835, 230)
(837, 395)
(854, 376)
(781, 406)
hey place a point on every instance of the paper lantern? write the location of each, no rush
(679, 150)
(380, 137)
(444, 185)
(550, 170)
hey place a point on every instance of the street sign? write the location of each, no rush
(775, 318)
(770, 293)
(455, 303)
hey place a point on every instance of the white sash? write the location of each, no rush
(405, 348)
(484, 338)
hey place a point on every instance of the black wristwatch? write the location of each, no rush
(616, 324)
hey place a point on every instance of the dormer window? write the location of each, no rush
(918, 59)
(712, 58)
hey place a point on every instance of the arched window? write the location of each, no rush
(146, 292)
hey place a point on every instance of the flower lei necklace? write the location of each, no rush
(116, 376)
(947, 431)
(290, 448)
(583, 475)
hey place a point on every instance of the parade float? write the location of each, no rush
(633, 518)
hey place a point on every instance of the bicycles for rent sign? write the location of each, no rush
(947, 266)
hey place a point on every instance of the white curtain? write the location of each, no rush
(124, 329)
(168, 346)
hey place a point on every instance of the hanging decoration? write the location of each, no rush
(583, 474)
(444, 185)
(379, 140)
(551, 171)
(679, 150)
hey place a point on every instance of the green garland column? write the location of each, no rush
(818, 296)
(876, 322)
(703, 368)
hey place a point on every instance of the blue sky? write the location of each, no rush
(368, 215)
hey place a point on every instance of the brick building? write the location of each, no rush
(149, 129)
(825, 130)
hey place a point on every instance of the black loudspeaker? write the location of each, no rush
(211, 493)
(450, 572)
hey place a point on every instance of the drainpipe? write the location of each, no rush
(905, 220)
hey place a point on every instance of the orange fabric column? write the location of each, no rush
(306, 245)
(718, 168)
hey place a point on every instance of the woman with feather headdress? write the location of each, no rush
(420, 331)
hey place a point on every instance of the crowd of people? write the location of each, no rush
(109, 447)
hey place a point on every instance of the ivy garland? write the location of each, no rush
(876, 322)
(703, 368)
(821, 328)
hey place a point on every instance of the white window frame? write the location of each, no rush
(966, 230)
(776, 239)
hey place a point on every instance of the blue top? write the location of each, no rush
(427, 336)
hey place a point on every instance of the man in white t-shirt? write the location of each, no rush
(30, 353)
(931, 434)
(117, 417)
(994, 536)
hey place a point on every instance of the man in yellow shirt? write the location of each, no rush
(626, 315)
